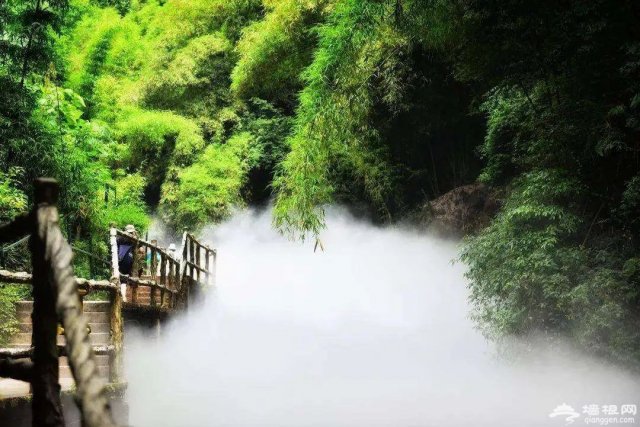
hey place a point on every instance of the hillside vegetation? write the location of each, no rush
(188, 108)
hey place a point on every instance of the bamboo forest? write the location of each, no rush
(368, 203)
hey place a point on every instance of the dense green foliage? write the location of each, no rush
(187, 108)
(563, 133)
(8, 322)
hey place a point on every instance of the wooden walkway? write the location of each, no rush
(159, 286)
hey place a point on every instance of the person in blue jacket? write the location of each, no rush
(125, 250)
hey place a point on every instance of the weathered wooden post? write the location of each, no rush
(186, 289)
(198, 262)
(192, 270)
(214, 264)
(154, 261)
(163, 276)
(136, 264)
(182, 270)
(134, 291)
(116, 324)
(47, 407)
(170, 281)
(176, 275)
(207, 264)
(163, 269)
(192, 255)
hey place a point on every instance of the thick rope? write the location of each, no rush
(91, 396)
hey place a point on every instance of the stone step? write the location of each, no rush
(21, 338)
(24, 307)
(101, 360)
(140, 292)
(24, 339)
(24, 327)
(95, 327)
(139, 295)
(96, 317)
(91, 317)
(65, 371)
(87, 306)
(23, 317)
(99, 327)
(100, 338)
(140, 298)
(96, 306)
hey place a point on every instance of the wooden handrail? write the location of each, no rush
(23, 278)
(174, 277)
(147, 244)
(55, 299)
(16, 229)
(196, 266)
(149, 283)
(196, 241)
(21, 352)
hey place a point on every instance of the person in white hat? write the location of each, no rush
(171, 250)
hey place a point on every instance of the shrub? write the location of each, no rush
(9, 294)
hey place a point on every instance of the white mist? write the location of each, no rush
(374, 331)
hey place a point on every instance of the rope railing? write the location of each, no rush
(90, 386)
(55, 294)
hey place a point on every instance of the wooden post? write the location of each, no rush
(192, 257)
(116, 324)
(134, 292)
(152, 296)
(192, 272)
(179, 281)
(135, 266)
(184, 288)
(176, 276)
(154, 263)
(163, 269)
(198, 260)
(115, 269)
(46, 404)
(214, 265)
(207, 264)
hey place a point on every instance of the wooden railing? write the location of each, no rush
(171, 281)
(55, 299)
(192, 269)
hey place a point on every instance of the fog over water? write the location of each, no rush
(374, 331)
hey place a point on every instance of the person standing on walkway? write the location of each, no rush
(125, 250)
